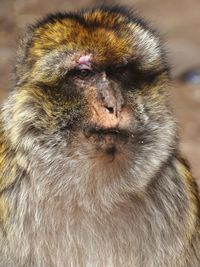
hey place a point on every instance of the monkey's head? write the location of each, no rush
(90, 87)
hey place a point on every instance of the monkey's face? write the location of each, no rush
(93, 84)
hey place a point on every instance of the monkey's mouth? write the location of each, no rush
(109, 140)
(115, 132)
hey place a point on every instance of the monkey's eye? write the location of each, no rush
(82, 73)
(117, 71)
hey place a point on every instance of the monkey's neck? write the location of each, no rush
(95, 215)
(110, 188)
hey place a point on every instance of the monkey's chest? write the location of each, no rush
(84, 244)
(87, 242)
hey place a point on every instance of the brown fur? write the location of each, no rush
(90, 173)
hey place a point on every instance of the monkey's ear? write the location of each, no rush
(22, 60)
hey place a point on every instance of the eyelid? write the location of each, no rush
(82, 73)
(123, 67)
(112, 70)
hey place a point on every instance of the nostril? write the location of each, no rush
(109, 109)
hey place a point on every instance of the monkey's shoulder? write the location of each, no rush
(7, 161)
(191, 188)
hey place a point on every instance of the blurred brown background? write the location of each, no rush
(178, 21)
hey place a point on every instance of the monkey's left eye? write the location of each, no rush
(118, 71)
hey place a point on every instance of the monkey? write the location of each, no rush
(90, 170)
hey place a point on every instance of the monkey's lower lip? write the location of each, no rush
(108, 141)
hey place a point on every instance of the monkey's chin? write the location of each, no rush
(109, 142)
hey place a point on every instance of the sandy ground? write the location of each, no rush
(178, 21)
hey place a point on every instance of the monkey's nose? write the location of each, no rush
(106, 104)
(113, 110)
(107, 112)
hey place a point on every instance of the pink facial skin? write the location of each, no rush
(85, 62)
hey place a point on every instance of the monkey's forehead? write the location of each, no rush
(109, 35)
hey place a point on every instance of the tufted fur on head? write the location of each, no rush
(90, 172)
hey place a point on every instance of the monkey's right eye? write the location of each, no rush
(82, 73)
(85, 73)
